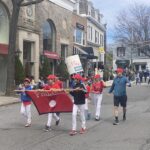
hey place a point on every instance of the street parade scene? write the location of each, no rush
(74, 75)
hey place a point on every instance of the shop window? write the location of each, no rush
(4, 25)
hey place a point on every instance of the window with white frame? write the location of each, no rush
(96, 37)
(91, 33)
(120, 51)
(101, 40)
(79, 36)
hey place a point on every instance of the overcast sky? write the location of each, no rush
(110, 9)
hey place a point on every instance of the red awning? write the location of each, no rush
(3, 49)
(52, 55)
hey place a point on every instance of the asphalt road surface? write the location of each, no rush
(133, 134)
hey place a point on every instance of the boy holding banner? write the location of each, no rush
(51, 86)
(78, 92)
(26, 101)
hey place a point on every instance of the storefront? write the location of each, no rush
(4, 38)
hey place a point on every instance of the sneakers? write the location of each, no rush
(124, 118)
(28, 125)
(72, 132)
(57, 122)
(82, 131)
(116, 122)
(47, 128)
(97, 118)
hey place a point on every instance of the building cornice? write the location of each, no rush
(95, 22)
(62, 4)
(93, 44)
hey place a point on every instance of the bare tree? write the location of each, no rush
(17, 4)
(133, 26)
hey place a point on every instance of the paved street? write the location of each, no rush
(134, 134)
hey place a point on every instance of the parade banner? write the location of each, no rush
(74, 64)
(50, 102)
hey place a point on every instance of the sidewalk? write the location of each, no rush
(4, 100)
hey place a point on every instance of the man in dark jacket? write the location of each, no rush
(120, 97)
(78, 92)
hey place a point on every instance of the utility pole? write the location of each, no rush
(132, 48)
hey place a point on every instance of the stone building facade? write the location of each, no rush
(43, 29)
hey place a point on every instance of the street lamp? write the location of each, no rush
(18, 52)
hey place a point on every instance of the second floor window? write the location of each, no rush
(141, 53)
(79, 36)
(49, 36)
(121, 51)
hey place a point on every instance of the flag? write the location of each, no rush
(51, 102)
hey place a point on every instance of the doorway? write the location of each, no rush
(27, 57)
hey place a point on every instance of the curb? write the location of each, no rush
(7, 104)
(5, 100)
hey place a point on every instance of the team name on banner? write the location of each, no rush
(51, 102)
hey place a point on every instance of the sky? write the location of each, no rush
(110, 9)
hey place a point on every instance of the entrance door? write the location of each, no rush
(27, 57)
(64, 51)
(3, 74)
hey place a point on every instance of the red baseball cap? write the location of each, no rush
(51, 76)
(97, 76)
(27, 80)
(77, 76)
(84, 79)
(119, 70)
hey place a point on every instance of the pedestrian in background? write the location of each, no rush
(120, 96)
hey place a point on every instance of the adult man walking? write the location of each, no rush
(120, 96)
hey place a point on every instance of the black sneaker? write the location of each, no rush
(97, 119)
(57, 122)
(47, 128)
(124, 118)
(116, 122)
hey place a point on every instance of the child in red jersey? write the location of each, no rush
(87, 97)
(97, 90)
(50, 86)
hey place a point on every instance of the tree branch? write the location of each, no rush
(31, 3)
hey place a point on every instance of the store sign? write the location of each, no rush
(3, 49)
(79, 26)
(74, 64)
(101, 50)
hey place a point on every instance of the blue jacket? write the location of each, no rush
(24, 96)
(119, 86)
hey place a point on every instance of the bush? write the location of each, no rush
(19, 71)
(62, 70)
(45, 70)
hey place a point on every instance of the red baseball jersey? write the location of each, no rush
(97, 87)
